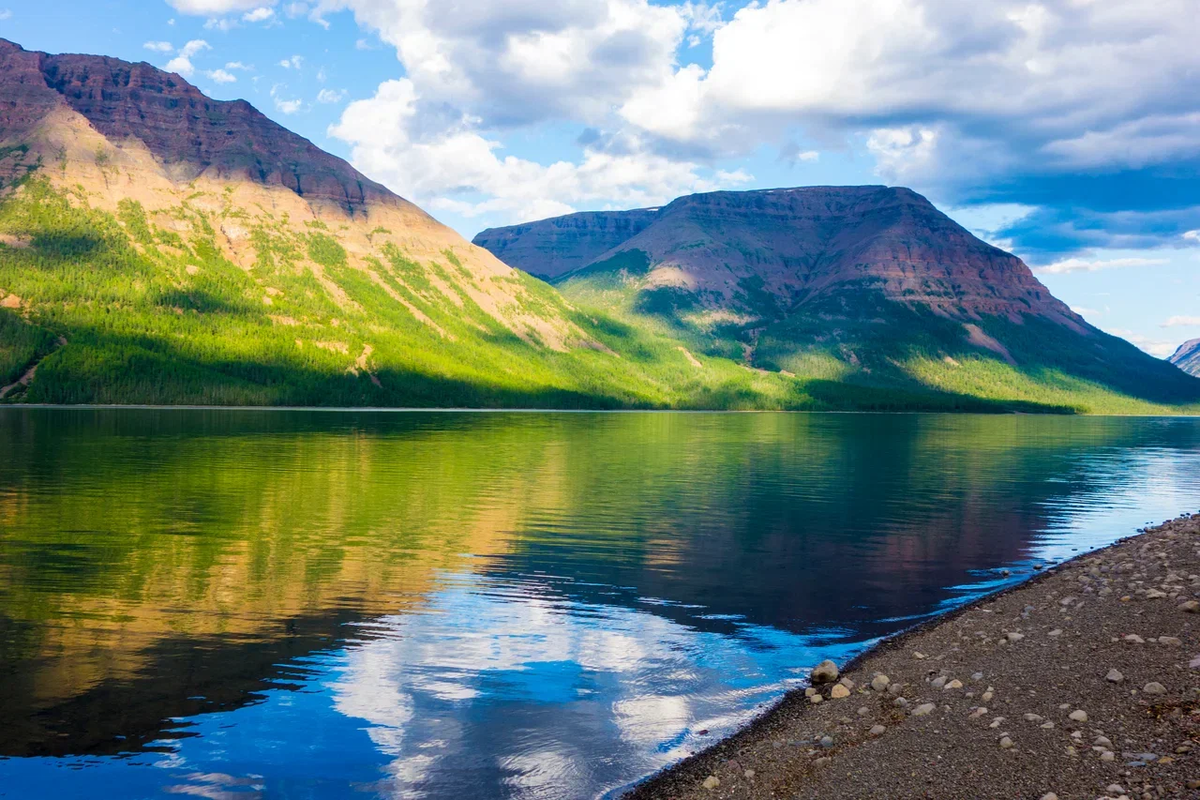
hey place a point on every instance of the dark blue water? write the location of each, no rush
(314, 604)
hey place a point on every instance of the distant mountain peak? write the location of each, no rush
(1187, 357)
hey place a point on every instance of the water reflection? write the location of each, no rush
(543, 605)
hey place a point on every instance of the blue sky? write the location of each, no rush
(1067, 131)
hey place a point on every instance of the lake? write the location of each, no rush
(229, 603)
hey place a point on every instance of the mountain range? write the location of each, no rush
(1187, 357)
(159, 246)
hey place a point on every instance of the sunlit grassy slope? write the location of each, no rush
(850, 346)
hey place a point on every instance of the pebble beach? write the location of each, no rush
(1082, 682)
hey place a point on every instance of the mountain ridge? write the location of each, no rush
(1187, 357)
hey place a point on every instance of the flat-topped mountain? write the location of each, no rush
(854, 283)
(553, 247)
(1187, 357)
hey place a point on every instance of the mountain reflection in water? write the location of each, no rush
(531, 605)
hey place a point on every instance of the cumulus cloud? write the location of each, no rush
(220, 76)
(1182, 322)
(331, 95)
(182, 63)
(260, 14)
(295, 62)
(160, 47)
(284, 104)
(456, 167)
(1084, 265)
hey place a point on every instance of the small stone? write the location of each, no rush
(826, 741)
(863, 711)
(1014, 637)
(1108, 755)
(1190, 606)
(712, 782)
(816, 698)
(923, 709)
(1078, 715)
(1049, 796)
(1170, 641)
(1056, 632)
(880, 682)
(954, 684)
(1006, 742)
(901, 702)
(1103, 741)
(1133, 638)
(918, 655)
(1047, 726)
(938, 682)
(809, 692)
(1034, 718)
(1154, 687)
(987, 696)
(848, 683)
(1115, 789)
(822, 761)
(749, 773)
(1194, 784)
(825, 672)
(1155, 594)
(877, 730)
(977, 676)
(1114, 676)
(838, 692)
(979, 712)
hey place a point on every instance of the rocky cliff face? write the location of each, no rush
(1187, 357)
(794, 245)
(553, 247)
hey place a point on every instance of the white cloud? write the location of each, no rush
(160, 47)
(1181, 322)
(1193, 236)
(214, 7)
(1086, 312)
(260, 14)
(1155, 347)
(1086, 265)
(451, 168)
(283, 104)
(295, 62)
(238, 65)
(223, 24)
(6, 14)
(182, 63)
(220, 76)
(331, 95)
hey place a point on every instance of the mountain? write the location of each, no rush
(553, 247)
(865, 286)
(159, 246)
(1187, 357)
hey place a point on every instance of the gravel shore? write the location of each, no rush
(1083, 682)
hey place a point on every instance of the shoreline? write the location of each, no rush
(871, 740)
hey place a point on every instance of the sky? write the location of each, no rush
(1065, 131)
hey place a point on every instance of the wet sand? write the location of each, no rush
(1082, 682)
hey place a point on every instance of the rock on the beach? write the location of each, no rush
(825, 672)
(1013, 636)
(838, 692)
(827, 741)
(1114, 676)
(1049, 796)
(954, 684)
(1133, 638)
(880, 682)
(712, 782)
(923, 709)
(1154, 687)
(1078, 715)
(1190, 606)
(816, 698)
(1006, 742)
(877, 730)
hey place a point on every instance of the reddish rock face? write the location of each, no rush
(553, 247)
(186, 131)
(800, 244)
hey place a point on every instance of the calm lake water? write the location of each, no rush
(314, 604)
